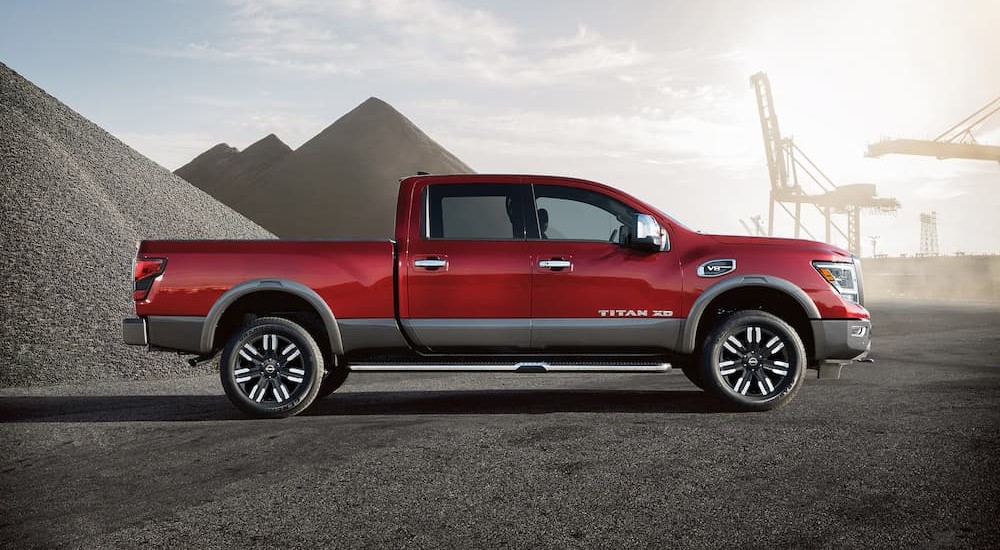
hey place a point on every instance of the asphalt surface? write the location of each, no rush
(904, 452)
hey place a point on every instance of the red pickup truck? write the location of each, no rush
(504, 273)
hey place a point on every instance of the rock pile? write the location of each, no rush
(341, 184)
(75, 201)
(225, 172)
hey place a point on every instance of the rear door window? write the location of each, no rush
(475, 212)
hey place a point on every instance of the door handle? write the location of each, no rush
(555, 263)
(430, 263)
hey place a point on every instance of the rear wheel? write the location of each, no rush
(753, 360)
(272, 368)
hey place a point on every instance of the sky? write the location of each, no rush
(652, 97)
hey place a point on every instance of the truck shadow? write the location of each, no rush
(193, 408)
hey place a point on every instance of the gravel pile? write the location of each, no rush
(225, 172)
(75, 202)
(341, 184)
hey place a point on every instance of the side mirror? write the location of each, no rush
(648, 235)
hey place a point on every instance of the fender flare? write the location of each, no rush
(281, 285)
(690, 333)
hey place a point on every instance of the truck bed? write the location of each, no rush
(354, 277)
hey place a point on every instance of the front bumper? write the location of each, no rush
(134, 331)
(841, 339)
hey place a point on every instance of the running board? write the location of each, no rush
(523, 367)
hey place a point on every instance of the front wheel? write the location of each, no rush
(271, 368)
(753, 360)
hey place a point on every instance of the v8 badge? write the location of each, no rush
(716, 268)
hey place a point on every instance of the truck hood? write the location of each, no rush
(767, 242)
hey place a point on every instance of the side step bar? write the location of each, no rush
(523, 367)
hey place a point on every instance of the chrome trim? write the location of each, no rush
(430, 263)
(646, 227)
(662, 367)
(555, 264)
(703, 268)
(524, 366)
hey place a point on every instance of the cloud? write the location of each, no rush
(405, 38)
(650, 135)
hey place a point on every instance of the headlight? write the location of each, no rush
(843, 277)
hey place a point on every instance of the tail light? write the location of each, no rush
(144, 272)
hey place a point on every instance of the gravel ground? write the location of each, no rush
(904, 452)
(75, 203)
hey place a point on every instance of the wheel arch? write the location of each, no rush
(736, 288)
(293, 289)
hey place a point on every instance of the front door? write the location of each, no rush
(591, 291)
(468, 275)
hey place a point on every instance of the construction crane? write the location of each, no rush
(786, 162)
(957, 142)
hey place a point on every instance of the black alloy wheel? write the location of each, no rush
(754, 360)
(272, 368)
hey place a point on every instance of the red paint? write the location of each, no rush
(355, 278)
(485, 279)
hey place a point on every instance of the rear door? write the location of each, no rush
(588, 289)
(468, 273)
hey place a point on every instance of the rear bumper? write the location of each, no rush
(165, 332)
(134, 331)
(841, 339)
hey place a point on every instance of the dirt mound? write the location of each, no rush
(340, 184)
(225, 172)
(75, 202)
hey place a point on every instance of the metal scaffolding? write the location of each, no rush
(928, 234)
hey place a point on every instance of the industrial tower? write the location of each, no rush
(786, 162)
(928, 234)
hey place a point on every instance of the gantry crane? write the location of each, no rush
(956, 142)
(786, 162)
